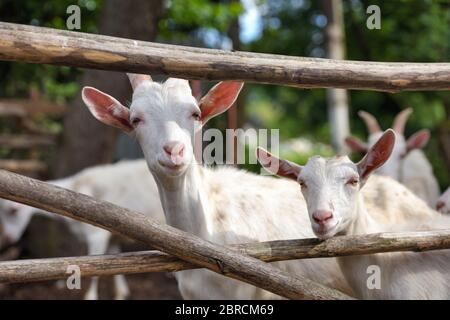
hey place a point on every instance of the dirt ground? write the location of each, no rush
(142, 287)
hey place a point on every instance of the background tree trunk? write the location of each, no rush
(86, 141)
(236, 114)
(444, 133)
(337, 99)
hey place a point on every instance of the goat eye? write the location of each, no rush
(302, 184)
(196, 115)
(135, 121)
(352, 182)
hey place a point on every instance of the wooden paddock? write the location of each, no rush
(180, 250)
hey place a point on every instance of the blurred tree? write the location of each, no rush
(56, 83)
(86, 141)
(410, 31)
(337, 99)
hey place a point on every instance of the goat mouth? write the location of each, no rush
(171, 166)
(325, 232)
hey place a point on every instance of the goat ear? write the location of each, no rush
(418, 140)
(219, 99)
(356, 145)
(107, 109)
(280, 167)
(377, 155)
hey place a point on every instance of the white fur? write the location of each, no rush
(410, 168)
(404, 275)
(417, 174)
(224, 205)
(125, 184)
(444, 202)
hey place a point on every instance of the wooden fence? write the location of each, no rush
(76, 49)
(33, 138)
(183, 250)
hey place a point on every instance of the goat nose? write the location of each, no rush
(440, 205)
(321, 216)
(174, 148)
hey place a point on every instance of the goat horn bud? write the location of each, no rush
(400, 121)
(370, 121)
(137, 79)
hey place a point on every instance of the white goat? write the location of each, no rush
(408, 164)
(331, 188)
(125, 184)
(443, 204)
(225, 205)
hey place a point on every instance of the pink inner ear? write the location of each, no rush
(219, 98)
(377, 155)
(98, 99)
(418, 140)
(263, 157)
(355, 144)
(278, 166)
(107, 109)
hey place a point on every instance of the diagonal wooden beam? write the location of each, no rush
(185, 246)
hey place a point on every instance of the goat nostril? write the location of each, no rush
(321, 216)
(181, 149)
(168, 150)
(174, 148)
(440, 205)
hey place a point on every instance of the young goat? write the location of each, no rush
(443, 204)
(331, 188)
(125, 184)
(225, 205)
(408, 164)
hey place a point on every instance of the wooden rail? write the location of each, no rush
(271, 251)
(43, 45)
(30, 108)
(25, 141)
(185, 246)
(23, 166)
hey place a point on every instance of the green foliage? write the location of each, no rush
(411, 31)
(56, 83)
(185, 19)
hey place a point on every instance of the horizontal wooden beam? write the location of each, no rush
(50, 46)
(31, 270)
(30, 108)
(23, 166)
(185, 246)
(14, 141)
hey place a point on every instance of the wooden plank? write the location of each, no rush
(154, 261)
(23, 166)
(185, 246)
(59, 47)
(31, 108)
(25, 141)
